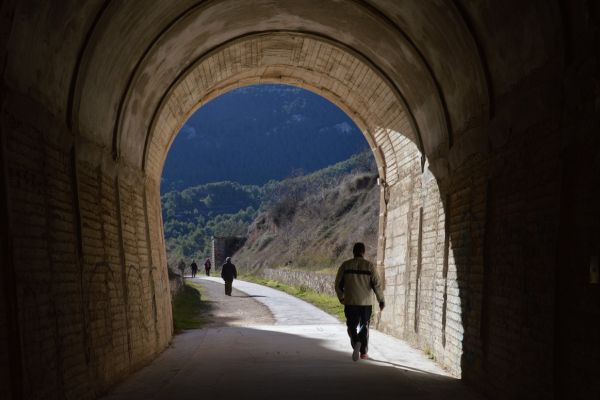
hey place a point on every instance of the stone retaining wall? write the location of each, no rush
(320, 283)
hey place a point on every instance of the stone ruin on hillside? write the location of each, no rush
(225, 246)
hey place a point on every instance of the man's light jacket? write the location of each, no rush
(355, 280)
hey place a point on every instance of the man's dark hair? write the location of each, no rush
(358, 249)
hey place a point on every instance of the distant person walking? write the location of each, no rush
(207, 266)
(228, 273)
(194, 268)
(353, 284)
(181, 267)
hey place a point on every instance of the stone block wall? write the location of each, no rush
(420, 273)
(468, 260)
(320, 283)
(223, 247)
(47, 266)
(10, 345)
(90, 273)
(577, 319)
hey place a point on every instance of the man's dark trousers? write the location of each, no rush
(358, 316)
(228, 285)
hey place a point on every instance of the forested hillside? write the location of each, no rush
(254, 134)
(193, 216)
(333, 206)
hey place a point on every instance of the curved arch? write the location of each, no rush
(303, 60)
(235, 84)
(436, 82)
(164, 58)
(82, 56)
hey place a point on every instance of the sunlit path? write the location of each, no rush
(304, 353)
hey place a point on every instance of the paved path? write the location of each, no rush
(303, 354)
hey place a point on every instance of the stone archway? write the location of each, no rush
(485, 248)
(409, 194)
(301, 60)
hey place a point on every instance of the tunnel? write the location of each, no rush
(483, 118)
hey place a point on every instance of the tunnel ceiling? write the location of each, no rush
(108, 68)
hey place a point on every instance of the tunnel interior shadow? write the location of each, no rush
(401, 366)
(225, 360)
(260, 363)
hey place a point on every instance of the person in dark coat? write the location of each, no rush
(194, 268)
(228, 273)
(207, 266)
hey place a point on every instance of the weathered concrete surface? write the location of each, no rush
(482, 116)
(304, 354)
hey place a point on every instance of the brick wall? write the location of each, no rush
(47, 269)
(10, 367)
(577, 318)
(424, 302)
(90, 269)
(468, 263)
(468, 270)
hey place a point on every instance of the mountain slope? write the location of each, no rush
(335, 202)
(315, 231)
(192, 216)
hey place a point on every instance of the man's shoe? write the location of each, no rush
(364, 357)
(356, 351)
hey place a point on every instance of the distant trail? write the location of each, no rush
(237, 310)
(286, 309)
(296, 352)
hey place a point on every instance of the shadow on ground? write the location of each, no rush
(246, 363)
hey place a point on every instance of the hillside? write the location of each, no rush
(315, 228)
(322, 212)
(253, 134)
(192, 216)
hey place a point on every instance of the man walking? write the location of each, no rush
(194, 268)
(353, 283)
(207, 266)
(228, 273)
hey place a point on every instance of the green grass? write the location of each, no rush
(189, 308)
(429, 353)
(327, 303)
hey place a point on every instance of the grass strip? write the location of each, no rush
(325, 302)
(189, 308)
